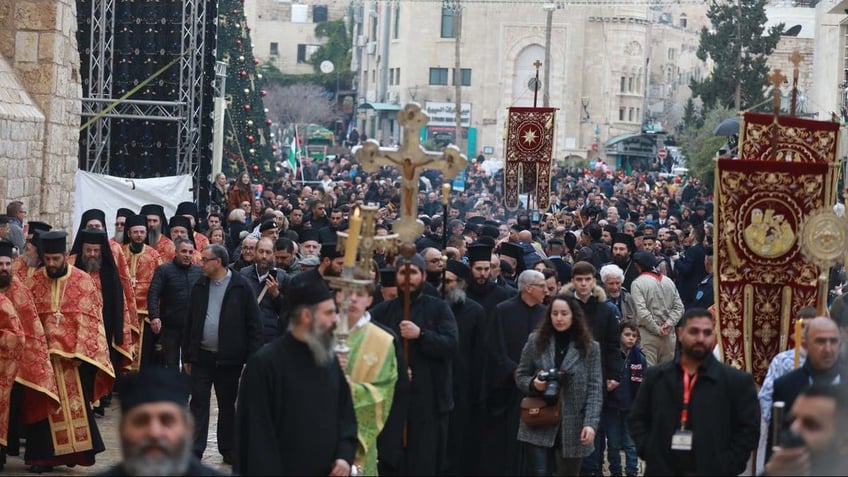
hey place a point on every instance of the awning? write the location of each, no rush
(618, 139)
(380, 106)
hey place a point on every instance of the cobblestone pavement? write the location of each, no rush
(108, 426)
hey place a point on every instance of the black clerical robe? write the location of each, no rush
(506, 334)
(431, 390)
(293, 416)
(489, 295)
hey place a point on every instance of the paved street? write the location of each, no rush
(108, 426)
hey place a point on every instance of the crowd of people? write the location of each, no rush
(533, 342)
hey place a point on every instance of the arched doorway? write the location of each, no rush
(523, 74)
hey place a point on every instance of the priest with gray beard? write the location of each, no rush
(295, 412)
(463, 444)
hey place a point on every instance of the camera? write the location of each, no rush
(535, 218)
(552, 378)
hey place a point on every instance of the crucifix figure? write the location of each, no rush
(796, 58)
(411, 158)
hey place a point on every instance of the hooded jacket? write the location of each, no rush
(605, 330)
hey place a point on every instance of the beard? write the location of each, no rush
(621, 261)
(119, 237)
(435, 278)
(455, 296)
(476, 287)
(174, 461)
(91, 264)
(321, 344)
(5, 279)
(31, 262)
(136, 247)
(153, 236)
(263, 266)
(57, 272)
(697, 352)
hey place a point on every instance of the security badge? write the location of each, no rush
(681, 440)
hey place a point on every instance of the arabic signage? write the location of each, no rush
(444, 114)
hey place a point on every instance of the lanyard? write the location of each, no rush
(687, 394)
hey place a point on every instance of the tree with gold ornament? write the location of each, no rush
(247, 130)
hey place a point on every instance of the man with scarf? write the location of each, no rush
(71, 309)
(143, 261)
(431, 344)
(464, 428)
(34, 394)
(157, 231)
(91, 254)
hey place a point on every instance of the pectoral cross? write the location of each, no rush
(58, 315)
(796, 58)
(411, 158)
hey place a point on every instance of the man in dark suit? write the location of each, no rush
(690, 268)
(821, 339)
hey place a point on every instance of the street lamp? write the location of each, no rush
(546, 93)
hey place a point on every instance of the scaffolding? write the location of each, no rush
(185, 108)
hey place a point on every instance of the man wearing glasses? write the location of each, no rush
(221, 304)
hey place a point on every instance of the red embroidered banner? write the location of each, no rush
(529, 149)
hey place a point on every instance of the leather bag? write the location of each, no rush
(536, 412)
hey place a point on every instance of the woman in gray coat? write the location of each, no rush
(563, 342)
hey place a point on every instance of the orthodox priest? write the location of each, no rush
(34, 394)
(189, 211)
(431, 342)
(70, 307)
(371, 370)
(158, 232)
(143, 261)
(30, 259)
(482, 288)
(11, 351)
(506, 335)
(91, 253)
(295, 414)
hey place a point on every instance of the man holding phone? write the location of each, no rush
(267, 282)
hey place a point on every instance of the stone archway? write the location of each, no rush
(523, 73)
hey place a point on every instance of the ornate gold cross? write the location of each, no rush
(411, 158)
(776, 78)
(369, 239)
(796, 58)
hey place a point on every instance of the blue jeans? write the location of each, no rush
(618, 438)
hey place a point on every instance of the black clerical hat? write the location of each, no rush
(152, 209)
(268, 225)
(54, 242)
(388, 277)
(6, 249)
(478, 252)
(187, 208)
(153, 384)
(180, 221)
(492, 223)
(93, 214)
(309, 234)
(330, 250)
(459, 269)
(489, 231)
(122, 212)
(307, 288)
(135, 221)
(94, 236)
(626, 239)
(37, 227)
(476, 220)
(4, 220)
(512, 250)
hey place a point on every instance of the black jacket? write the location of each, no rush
(690, 271)
(269, 307)
(239, 330)
(605, 329)
(723, 412)
(195, 467)
(168, 295)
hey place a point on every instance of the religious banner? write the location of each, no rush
(785, 173)
(529, 149)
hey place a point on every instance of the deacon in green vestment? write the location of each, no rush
(371, 369)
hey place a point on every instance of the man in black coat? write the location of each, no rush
(222, 331)
(722, 424)
(506, 334)
(690, 268)
(155, 417)
(168, 299)
(260, 278)
(432, 341)
(482, 288)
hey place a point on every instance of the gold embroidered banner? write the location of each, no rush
(762, 280)
(529, 149)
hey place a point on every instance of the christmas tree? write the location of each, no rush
(247, 137)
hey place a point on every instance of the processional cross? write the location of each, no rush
(411, 158)
(776, 78)
(796, 58)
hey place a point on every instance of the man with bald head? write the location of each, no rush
(821, 339)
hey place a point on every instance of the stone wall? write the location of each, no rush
(39, 106)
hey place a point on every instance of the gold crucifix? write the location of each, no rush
(411, 158)
(776, 79)
(796, 58)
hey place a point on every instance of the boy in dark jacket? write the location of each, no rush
(619, 401)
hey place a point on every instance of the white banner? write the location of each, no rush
(109, 193)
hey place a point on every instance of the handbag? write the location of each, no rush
(537, 412)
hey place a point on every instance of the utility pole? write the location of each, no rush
(457, 75)
(737, 99)
(546, 82)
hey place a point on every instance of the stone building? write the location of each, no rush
(39, 107)
(599, 69)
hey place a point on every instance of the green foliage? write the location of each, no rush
(326, 81)
(721, 44)
(337, 48)
(247, 136)
(691, 117)
(699, 145)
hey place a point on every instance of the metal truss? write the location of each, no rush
(186, 109)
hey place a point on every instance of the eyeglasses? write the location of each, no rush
(204, 259)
